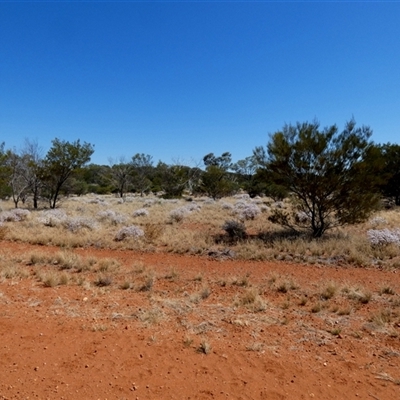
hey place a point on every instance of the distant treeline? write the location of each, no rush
(29, 176)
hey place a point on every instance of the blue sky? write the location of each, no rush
(178, 80)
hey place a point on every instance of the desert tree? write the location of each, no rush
(391, 171)
(142, 165)
(216, 180)
(246, 167)
(17, 171)
(174, 179)
(247, 177)
(120, 175)
(4, 172)
(32, 153)
(62, 159)
(330, 174)
(23, 172)
(96, 178)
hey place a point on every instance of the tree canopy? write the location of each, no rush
(60, 161)
(329, 173)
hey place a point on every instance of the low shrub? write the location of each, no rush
(14, 215)
(381, 237)
(246, 211)
(178, 214)
(141, 212)
(128, 231)
(235, 229)
(112, 216)
(226, 206)
(74, 224)
(52, 218)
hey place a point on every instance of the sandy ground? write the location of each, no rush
(204, 329)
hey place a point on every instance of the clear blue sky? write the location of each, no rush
(178, 80)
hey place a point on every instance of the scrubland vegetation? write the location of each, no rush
(212, 299)
(292, 253)
(237, 227)
(312, 196)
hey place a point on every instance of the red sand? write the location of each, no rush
(80, 342)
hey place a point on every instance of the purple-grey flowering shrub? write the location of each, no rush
(209, 201)
(171, 201)
(178, 214)
(226, 206)
(128, 231)
(141, 212)
(149, 202)
(97, 200)
(52, 217)
(279, 204)
(243, 196)
(74, 224)
(378, 221)
(245, 210)
(193, 207)
(381, 237)
(14, 215)
(112, 216)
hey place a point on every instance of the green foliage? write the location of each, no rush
(235, 230)
(96, 178)
(216, 181)
(391, 172)
(142, 169)
(173, 179)
(5, 189)
(61, 160)
(330, 174)
(224, 161)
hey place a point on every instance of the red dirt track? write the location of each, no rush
(85, 342)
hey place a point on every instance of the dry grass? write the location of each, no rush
(204, 347)
(52, 278)
(202, 304)
(94, 220)
(329, 291)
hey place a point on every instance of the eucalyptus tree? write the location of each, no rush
(216, 180)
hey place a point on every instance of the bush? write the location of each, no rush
(235, 229)
(149, 202)
(128, 231)
(14, 215)
(381, 237)
(378, 221)
(243, 196)
(141, 212)
(112, 216)
(227, 206)
(52, 217)
(246, 211)
(77, 223)
(193, 207)
(178, 214)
